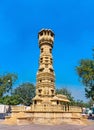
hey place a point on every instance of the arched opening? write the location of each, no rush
(57, 102)
(41, 33)
(52, 34)
(51, 70)
(41, 69)
(35, 102)
(52, 92)
(41, 50)
(41, 60)
(50, 50)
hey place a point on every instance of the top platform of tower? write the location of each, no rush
(46, 36)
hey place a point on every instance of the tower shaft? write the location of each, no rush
(45, 77)
(46, 99)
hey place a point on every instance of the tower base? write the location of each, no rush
(45, 117)
(50, 118)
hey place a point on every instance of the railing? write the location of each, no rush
(18, 108)
(46, 108)
(51, 108)
(62, 108)
(75, 109)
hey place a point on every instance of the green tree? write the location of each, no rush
(80, 103)
(90, 103)
(25, 92)
(10, 100)
(6, 83)
(85, 71)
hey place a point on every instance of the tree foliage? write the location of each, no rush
(85, 70)
(6, 83)
(25, 92)
(10, 100)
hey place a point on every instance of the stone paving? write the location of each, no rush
(46, 127)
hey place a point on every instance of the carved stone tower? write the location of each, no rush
(45, 77)
(45, 86)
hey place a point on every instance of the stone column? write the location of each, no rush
(45, 85)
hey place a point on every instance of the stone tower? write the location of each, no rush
(45, 77)
(45, 86)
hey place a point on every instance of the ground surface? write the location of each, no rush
(45, 127)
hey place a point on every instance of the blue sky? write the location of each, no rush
(73, 24)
